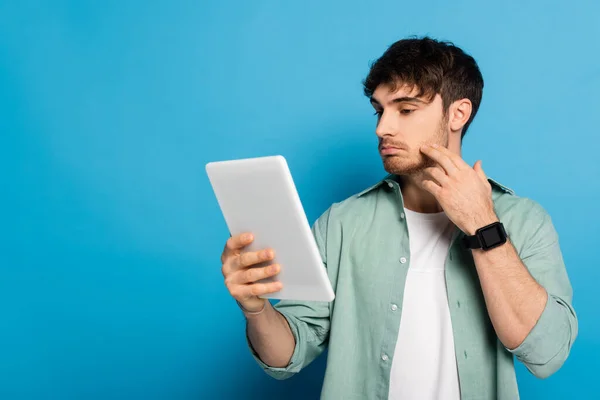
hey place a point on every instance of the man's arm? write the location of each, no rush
(528, 297)
(270, 337)
(514, 300)
(287, 337)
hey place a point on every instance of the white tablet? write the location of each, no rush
(258, 195)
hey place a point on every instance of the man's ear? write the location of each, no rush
(459, 113)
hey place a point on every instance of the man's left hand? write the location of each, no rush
(463, 191)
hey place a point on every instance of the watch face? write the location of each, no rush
(493, 236)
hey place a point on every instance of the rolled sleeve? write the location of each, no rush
(549, 343)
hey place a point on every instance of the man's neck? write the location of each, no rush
(415, 197)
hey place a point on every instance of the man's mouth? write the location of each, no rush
(389, 150)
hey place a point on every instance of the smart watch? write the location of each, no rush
(486, 238)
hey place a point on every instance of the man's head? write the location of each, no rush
(423, 91)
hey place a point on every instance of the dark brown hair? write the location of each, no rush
(434, 67)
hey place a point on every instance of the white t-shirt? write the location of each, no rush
(424, 363)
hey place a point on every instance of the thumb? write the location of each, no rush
(479, 169)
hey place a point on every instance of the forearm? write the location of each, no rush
(271, 337)
(514, 299)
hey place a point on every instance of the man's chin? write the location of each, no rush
(393, 165)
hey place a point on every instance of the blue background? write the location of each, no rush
(110, 282)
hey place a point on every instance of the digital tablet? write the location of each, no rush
(258, 195)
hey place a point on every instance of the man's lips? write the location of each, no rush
(389, 150)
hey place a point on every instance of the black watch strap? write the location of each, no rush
(472, 242)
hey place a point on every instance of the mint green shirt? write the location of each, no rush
(364, 243)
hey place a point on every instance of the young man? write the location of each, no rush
(441, 274)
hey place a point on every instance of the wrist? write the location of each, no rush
(480, 222)
(251, 313)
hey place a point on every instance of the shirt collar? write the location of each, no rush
(389, 179)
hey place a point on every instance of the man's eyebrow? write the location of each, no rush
(404, 99)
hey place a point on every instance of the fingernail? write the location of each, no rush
(268, 253)
(247, 237)
(434, 145)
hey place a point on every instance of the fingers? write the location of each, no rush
(238, 242)
(244, 292)
(442, 159)
(254, 257)
(448, 160)
(479, 169)
(232, 247)
(456, 159)
(242, 281)
(438, 174)
(432, 187)
(234, 244)
(252, 275)
(233, 263)
(259, 289)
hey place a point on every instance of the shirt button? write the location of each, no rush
(403, 260)
(402, 215)
(384, 357)
(390, 184)
(394, 307)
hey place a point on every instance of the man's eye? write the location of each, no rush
(406, 111)
(378, 113)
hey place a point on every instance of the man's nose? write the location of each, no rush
(385, 126)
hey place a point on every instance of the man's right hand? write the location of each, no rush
(241, 274)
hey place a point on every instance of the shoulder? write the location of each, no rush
(527, 222)
(508, 202)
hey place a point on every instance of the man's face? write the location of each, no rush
(404, 124)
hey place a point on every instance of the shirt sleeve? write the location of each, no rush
(548, 344)
(309, 320)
